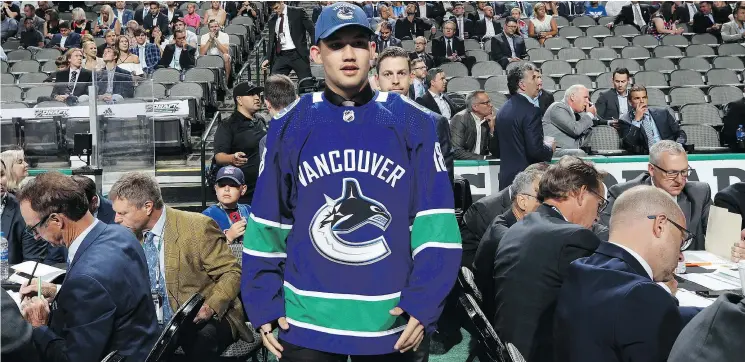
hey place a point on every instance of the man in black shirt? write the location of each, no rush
(30, 37)
(237, 138)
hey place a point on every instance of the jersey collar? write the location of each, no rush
(360, 99)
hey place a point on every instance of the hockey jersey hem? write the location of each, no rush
(341, 344)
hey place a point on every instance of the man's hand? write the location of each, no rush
(205, 313)
(553, 146)
(609, 25)
(239, 159)
(614, 123)
(270, 342)
(492, 121)
(673, 285)
(265, 65)
(590, 108)
(61, 97)
(515, 60)
(106, 97)
(35, 311)
(48, 290)
(738, 250)
(236, 230)
(639, 112)
(412, 336)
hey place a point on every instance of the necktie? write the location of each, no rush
(385, 45)
(449, 49)
(347, 104)
(279, 34)
(460, 27)
(157, 280)
(711, 17)
(648, 130)
(71, 84)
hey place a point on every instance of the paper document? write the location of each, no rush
(722, 231)
(691, 299)
(702, 256)
(714, 281)
(16, 297)
(44, 272)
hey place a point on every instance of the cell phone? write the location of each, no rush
(715, 293)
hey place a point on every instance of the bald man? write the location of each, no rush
(610, 307)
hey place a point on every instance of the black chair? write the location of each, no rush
(491, 347)
(113, 357)
(463, 199)
(181, 324)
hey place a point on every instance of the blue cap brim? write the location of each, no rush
(334, 29)
(231, 178)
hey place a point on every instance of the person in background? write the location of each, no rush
(9, 25)
(613, 103)
(179, 55)
(489, 26)
(106, 21)
(722, 11)
(217, 43)
(16, 167)
(90, 59)
(114, 83)
(472, 129)
(157, 38)
(635, 14)
(123, 14)
(420, 52)
(110, 42)
(29, 12)
(610, 307)
(542, 26)
(386, 39)
(155, 19)
(734, 31)
(534, 254)
(22, 246)
(418, 78)
(126, 59)
(435, 98)
(596, 10)
(66, 38)
(279, 93)
(51, 26)
(463, 27)
(172, 12)
(508, 47)
(705, 20)
(287, 43)
(215, 12)
(732, 120)
(61, 63)
(246, 9)
(30, 37)
(191, 38)
(99, 206)
(237, 138)
(80, 24)
(663, 21)
(410, 26)
(570, 121)
(230, 215)
(191, 18)
(643, 126)
(147, 53)
(132, 26)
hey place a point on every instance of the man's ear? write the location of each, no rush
(315, 54)
(244, 188)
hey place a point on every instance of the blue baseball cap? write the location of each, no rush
(340, 15)
(232, 173)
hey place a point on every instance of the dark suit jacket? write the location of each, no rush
(635, 140)
(733, 112)
(483, 263)
(161, 22)
(578, 7)
(428, 60)
(701, 22)
(463, 133)
(178, 13)
(433, 11)
(439, 50)
(467, 24)
(609, 309)
(122, 85)
(520, 133)
(682, 14)
(72, 41)
(22, 246)
(479, 30)
(99, 308)
(694, 200)
(300, 24)
(392, 42)
(607, 105)
(501, 51)
(531, 263)
(626, 16)
(732, 198)
(16, 333)
(81, 87)
(429, 102)
(476, 221)
(187, 60)
(105, 211)
(545, 100)
(140, 15)
(405, 28)
(713, 335)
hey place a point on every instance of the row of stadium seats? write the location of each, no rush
(605, 140)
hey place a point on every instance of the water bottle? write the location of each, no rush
(4, 266)
(740, 136)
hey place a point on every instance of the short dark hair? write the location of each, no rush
(177, 32)
(392, 52)
(63, 25)
(279, 90)
(516, 75)
(154, 3)
(386, 25)
(137, 32)
(33, 8)
(711, 3)
(87, 184)
(620, 70)
(637, 88)
(27, 19)
(510, 19)
(53, 192)
(431, 75)
(271, 4)
(413, 63)
(569, 175)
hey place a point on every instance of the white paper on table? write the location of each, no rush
(722, 231)
(691, 299)
(702, 256)
(44, 272)
(16, 297)
(712, 281)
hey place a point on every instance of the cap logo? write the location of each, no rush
(348, 115)
(229, 171)
(345, 13)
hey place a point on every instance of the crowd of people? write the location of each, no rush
(341, 210)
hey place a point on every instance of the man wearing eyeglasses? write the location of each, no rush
(610, 307)
(472, 129)
(668, 170)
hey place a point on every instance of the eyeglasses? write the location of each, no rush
(33, 229)
(603, 201)
(485, 102)
(528, 195)
(687, 235)
(674, 174)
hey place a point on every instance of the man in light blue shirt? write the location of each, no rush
(644, 126)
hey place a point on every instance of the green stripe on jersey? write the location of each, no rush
(439, 228)
(265, 238)
(342, 315)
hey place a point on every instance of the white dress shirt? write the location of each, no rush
(477, 146)
(442, 104)
(423, 11)
(62, 41)
(79, 240)
(489, 28)
(638, 18)
(461, 27)
(623, 103)
(175, 64)
(141, 55)
(286, 39)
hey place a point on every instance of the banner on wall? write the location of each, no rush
(717, 173)
(151, 109)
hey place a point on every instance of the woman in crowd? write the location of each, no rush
(551, 8)
(51, 27)
(90, 60)
(215, 12)
(663, 22)
(127, 61)
(522, 25)
(157, 38)
(542, 26)
(79, 23)
(107, 21)
(16, 169)
(129, 32)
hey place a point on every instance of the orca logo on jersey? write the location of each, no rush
(345, 215)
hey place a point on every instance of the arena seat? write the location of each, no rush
(486, 69)
(700, 114)
(704, 138)
(604, 140)
(591, 67)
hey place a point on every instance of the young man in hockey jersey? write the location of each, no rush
(352, 244)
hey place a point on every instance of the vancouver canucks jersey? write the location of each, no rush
(352, 216)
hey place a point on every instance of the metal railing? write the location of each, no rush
(216, 118)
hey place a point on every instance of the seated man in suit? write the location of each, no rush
(99, 206)
(685, 10)
(435, 98)
(179, 55)
(186, 253)
(155, 18)
(643, 126)
(508, 47)
(73, 81)
(148, 53)
(668, 170)
(705, 22)
(472, 129)
(477, 218)
(412, 26)
(571, 9)
(734, 31)
(191, 37)
(524, 201)
(114, 83)
(22, 246)
(534, 254)
(66, 38)
(610, 307)
(449, 48)
(429, 11)
(463, 25)
(636, 14)
(418, 78)
(420, 52)
(613, 103)
(104, 304)
(487, 27)
(570, 121)
(385, 38)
